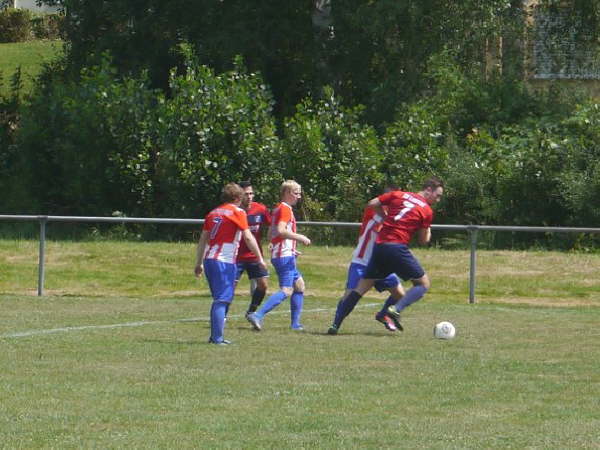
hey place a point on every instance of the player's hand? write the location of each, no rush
(304, 240)
(198, 270)
(262, 264)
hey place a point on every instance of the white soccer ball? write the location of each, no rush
(444, 330)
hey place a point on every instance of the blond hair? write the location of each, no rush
(288, 186)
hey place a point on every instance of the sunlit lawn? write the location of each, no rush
(30, 56)
(116, 356)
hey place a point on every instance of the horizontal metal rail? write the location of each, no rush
(471, 229)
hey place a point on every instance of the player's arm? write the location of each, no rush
(424, 235)
(200, 250)
(375, 203)
(253, 246)
(286, 234)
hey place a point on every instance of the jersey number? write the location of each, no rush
(217, 221)
(407, 207)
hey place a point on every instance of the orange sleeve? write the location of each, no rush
(285, 214)
(240, 218)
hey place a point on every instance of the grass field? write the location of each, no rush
(116, 356)
(30, 56)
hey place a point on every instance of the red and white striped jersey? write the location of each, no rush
(283, 247)
(371, 224)
(224, 225)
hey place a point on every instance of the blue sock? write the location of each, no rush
(296, 302)
(415, 293)
(345, 307)
(217, 320)
(273, 301)
(389, 302)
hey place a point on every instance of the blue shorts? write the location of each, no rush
(221, 279)
(253, 269)
(357, 271)
(286, 270)
(393, 258)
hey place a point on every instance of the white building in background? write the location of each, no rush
(32, 6)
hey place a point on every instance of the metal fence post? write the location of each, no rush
(473, 265)
(42, 255)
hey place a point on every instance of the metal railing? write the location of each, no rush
(471, 229)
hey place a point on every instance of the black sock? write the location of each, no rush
(257, 298)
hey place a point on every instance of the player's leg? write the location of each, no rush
(221, 280)
(409, 268)
(347, 304)
(258, 277)
(297, 303)
(258, 294)
(414, 294)
(355, 274)
(286, 269)
(392, 284)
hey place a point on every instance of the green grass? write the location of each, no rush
(30, 56)
(116, 356)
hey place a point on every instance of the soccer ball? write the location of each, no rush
(444, 330)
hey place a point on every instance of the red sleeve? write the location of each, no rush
(267, 215)
(428, 218)
(385, 198)
(207, 223)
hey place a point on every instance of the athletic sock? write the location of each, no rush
(273, 301)
(391, 301)
(217, 320)
(345, 307)
(257, 298)
(296, 302)
(415, 293)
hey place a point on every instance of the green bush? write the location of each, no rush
(47, 26)
(101, 144)
(15, 25)
(213, 129)
(333, 156)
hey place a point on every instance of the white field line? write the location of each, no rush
(151, 322)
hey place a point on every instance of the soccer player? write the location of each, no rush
(216, 254)
(407, 213)
(258, 217)
(371, 224)
(283, 258)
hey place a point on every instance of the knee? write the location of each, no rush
(287, 291)
(424, 282)
(299, 285)
(261, 284)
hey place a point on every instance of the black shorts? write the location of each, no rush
(253, 269)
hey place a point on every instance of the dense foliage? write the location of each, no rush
(151, 112)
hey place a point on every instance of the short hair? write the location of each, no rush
(232, 192)
(433, 183)
(288, 186)
(390, 187)
(245, 184)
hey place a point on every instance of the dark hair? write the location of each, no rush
(433, 183)
(245, 184)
